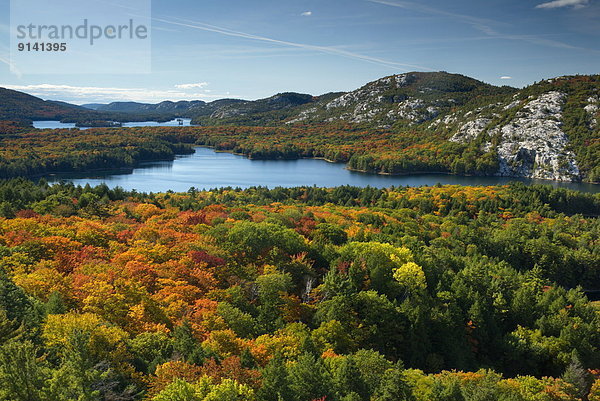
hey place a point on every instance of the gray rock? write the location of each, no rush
(533, 145)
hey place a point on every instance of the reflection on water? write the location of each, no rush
(208, 169)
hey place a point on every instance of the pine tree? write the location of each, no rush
(22, 375)
(56, 304)
(275, 384)
(578, 376)
(309, 379)
(185, 344)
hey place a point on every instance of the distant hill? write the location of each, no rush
(274, 110)
(135, 107)
(216, 112)
(93, 106)
(20, 106)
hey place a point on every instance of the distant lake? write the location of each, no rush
(206, 169)
(57, 124)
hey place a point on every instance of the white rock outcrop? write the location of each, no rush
(512, 105)
(533, 144)
(368, 103)
(592, 109)
(303, 116)
(369, 94)
(471, 130)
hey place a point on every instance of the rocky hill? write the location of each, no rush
(548, 130)
(403, 100)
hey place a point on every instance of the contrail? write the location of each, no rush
(322, 49)
(13, 68)
(482, 24)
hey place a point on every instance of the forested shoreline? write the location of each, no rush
(26, 153)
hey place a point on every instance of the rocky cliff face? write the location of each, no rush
(533, 143)
(530, 144)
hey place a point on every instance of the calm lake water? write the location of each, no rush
(208, 169)
(57, 124)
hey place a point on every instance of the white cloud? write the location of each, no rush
(306, 13)
(192, 86)
(564, 3)
(505, 77)
(93, 94)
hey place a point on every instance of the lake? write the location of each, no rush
(57, 124)
(206, 169)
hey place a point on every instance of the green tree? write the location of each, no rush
(578, 376)
(375, 261)
(348, 380)
(250, 241)
(271, 287)
(329, 233)
(56, 304)
(275, 384)
(309, 378)
(393, 387)
(23, 376)
(185, 345)
(151, 349)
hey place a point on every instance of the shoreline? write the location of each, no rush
(422, 172)
(129, 169)
(470, 175)
(98, 170)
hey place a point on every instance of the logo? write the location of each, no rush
(80, 36)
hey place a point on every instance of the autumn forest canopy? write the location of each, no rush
(301, 294)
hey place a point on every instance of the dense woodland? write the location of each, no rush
(28, 152)
(31, 152)
(437, 293)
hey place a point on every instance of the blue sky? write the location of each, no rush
(209, 49)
